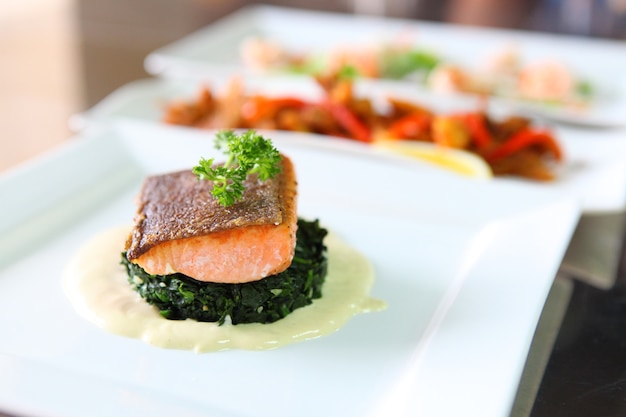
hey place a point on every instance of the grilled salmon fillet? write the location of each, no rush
(180, 227)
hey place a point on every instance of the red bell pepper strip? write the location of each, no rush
(477, 127)
(523, 139)
(348, 120)
(259, 107)
(410, 126)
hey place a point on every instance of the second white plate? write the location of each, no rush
(595, 160)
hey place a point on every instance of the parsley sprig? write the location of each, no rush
(247, 153)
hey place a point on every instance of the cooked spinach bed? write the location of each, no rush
(180, 297)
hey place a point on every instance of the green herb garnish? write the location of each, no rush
(348, 72)
(584, 89)
(248, 153)
(400, 64)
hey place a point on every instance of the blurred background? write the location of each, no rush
(58, 57)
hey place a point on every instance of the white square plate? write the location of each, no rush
(216, 48)
(464, 267)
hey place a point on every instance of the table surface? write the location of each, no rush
(585, 375)
(577, 366)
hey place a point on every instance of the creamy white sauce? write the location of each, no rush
(97, 287)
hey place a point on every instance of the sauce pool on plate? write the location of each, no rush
(97, 287)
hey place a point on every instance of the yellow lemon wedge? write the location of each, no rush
(455, 160)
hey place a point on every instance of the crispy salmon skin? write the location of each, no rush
(180, 227)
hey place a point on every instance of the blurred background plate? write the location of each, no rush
(601, 62)
(595, 160)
